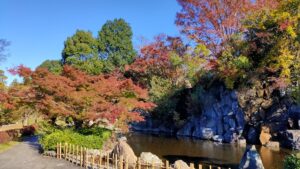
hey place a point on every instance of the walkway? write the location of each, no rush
(26, 156)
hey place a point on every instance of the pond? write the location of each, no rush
(200, 151)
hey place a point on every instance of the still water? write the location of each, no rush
(199, 151)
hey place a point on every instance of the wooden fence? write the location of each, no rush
(11, 127)
(86, 158)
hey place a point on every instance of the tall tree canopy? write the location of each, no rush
(81, 46)
(115, 42)
(112, 48)
(81, 51)
(212, 22)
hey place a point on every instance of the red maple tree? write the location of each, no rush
(110, 99)
(212, 22)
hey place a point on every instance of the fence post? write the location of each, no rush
(116, 161)
(80, 157)
(139, 163)
(121, 162)
(86, 158)
(70, 153)
(126, 163)
(57, 150)
(167, 164)
(65, 150)
(74, 155)
(191, 165)
(100, 159)
(152, 164)
(107, 160)
(93, 160)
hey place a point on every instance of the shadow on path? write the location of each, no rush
(26, 155)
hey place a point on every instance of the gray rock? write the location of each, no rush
(251, 159)
(207, 133)
(179, 164)
(50, 153)
(217, 138)
(242, 142)
(123, 149)
(149, 158)
(123, 138)
(294, 138)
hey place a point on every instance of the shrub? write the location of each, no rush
(292, 162)
(4, 137)
(97, 131)
(92, 141)
(45, 128)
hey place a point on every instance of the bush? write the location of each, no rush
(97, 131)
(50, 141)
(292, 162)
(4, 137)
(45, 128)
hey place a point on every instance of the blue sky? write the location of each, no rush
(38, 28)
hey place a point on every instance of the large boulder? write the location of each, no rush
(265, 135)
(123, 149)
(179, 164)
(221, 118)
(251, 159)
(149, 158)
(294, 138)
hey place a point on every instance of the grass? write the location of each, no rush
(6, 146)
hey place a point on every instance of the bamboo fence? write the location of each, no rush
(84, 158)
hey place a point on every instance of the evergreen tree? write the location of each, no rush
(115, 43)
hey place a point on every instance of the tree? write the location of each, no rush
(274, 42)
(168, 58)
(81, 51)
(115, 43)
(212, 22)
(53, 66)
(81, 46)
(102, 99)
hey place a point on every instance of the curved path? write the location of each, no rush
(26, 156)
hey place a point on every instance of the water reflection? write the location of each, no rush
(199, 151)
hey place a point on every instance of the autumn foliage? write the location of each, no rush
(213, 22)
(109, 99)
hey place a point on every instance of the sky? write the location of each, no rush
(37, 29)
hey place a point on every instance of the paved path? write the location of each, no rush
(26, 156)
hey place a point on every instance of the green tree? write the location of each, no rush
(82, 46)
(115, 43)
(54, 66)
(81, 51)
